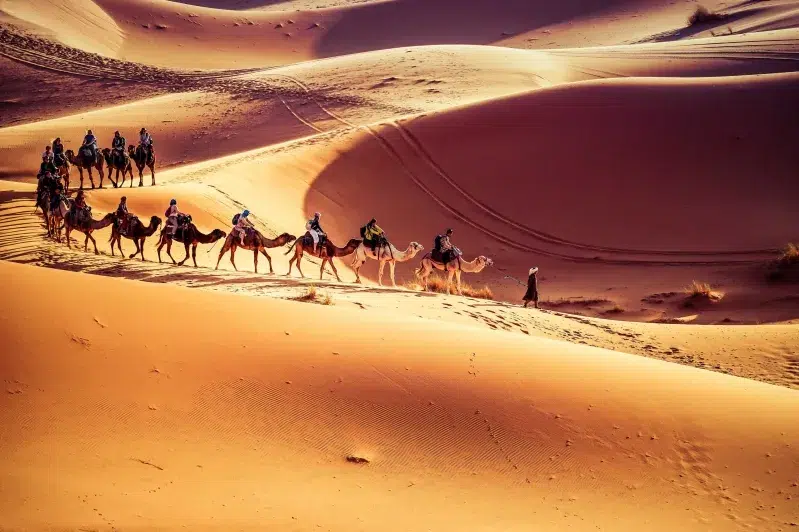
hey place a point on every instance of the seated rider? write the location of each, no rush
(48, 155)
(79, 207)
(315, 230)
(58, 152)
(146, 141)
(172, 214)
(373, 235)
(122, 214)
(444, 246)
(118, 145)
(90, 141)
(47, 165)
(55, 199)
(242, 225)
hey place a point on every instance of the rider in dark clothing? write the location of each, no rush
(90, 141)
(58, 152)
(373, 235)
(55, 199)
(122, 214)
(443, 245)
(47, 166)
(118, 143)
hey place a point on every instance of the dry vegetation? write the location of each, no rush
(438, 284)
(703, 15)
(312, 295)
(697, 291)
(573, 302)
(789, 255)
(786, 265)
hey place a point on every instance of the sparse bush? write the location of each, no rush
(704, 16)
(789, 254)
(572, 302)
(697, 291)
(438, 284)
(312, 295)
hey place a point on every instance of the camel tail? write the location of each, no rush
(291, 247)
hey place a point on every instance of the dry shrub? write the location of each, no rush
(312, 295)
(438, 284)
(789, 254)
(703, 15)
(697, 291)
(616, 309)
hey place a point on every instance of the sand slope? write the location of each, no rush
(231, 423)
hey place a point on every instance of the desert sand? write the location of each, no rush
(620, 148)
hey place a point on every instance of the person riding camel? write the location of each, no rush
(444, 246)
(118, 145)
(57, 197)
(58, 152)
(90, 141)
(122, 214)
(172, 214)
(79, 207)
(373, 235)
(48, 155)
(242, 225)
(146, 142)
(315, 230)
(47, 166)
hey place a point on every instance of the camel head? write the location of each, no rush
(217, 234)
(70, 155)
(416, 247)
(483, 261)
(131, 151)
(106, 152)
(155, 221)
(286, 238)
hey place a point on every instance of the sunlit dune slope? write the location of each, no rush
(226, 411)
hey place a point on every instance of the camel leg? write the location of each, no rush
(129, 170)
(80, 171)
(356, 266)
(298, 256)
(113, 241)
(68, 230)
(160, 246)
(194, 253)
(110, 171)
(86, 242)
(169, 250)
(334, 268)
(255, 259)
(269, 259)
(136, 242)
(119, 245)
(152, 173)
(233, 257)
(142, 249)
(91, 176)
(322, 268)
(94, 243)
(186, 244)
(458, 280)
(222, 251)
(380, 270)
(391, 266)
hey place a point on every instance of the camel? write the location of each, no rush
(114, 163)
(87, 228)
(327, 251)
(136, 232)
(57, 217)
(256, 242)
(63, 173)
(189, 236)
(388, 254)
(43, 203)
(84, 161)
(137, 155)
(453, 268)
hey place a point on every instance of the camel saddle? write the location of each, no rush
(126, 223)
(183, 222)
(307, 240)
(81, 217)
(444, 257)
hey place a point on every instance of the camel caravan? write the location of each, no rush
(62, 213)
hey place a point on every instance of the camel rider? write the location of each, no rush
(373, 235)
(47, 166)
(79, 207)
(443, 245)
(58, 152)
(315, 230)
(118, 144)
(90, 141)
(122, 213)
(242, 224)
(172, 214)
(48, 155)
(55, 199)
(146, 141)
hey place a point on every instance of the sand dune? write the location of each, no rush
(493, 431)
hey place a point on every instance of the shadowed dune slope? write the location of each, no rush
(232, 413)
